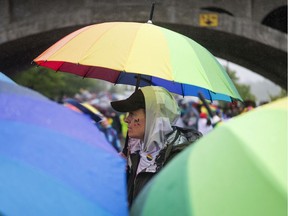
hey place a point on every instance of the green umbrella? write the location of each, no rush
(240, 168)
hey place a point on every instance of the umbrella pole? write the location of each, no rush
(137, 82)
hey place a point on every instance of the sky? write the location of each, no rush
(261, 87)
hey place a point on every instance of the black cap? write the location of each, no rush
(134, 102)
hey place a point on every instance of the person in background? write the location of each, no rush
(248, 106)
(204, 124)
(98, 119)
(110, 133)
(190, 115)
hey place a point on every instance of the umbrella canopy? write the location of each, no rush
(141, 54)
(54, 161)
(86, 109)
(13, 89)
(5, 78)
(240, 168)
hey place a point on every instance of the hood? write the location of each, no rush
(162, 112)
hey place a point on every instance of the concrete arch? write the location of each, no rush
(24, 35)
(277, 19)
(217, 10)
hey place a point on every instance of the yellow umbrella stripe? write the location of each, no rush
(112, 48)
(47, 55)
(152, 48)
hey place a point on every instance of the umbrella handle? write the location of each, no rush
(137, 82)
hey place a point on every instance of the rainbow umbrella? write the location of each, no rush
(141, 54)
(54, 161)
(240, 168)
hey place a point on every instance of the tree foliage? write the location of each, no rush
(55, 85)
(244, 90)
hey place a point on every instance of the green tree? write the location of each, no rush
(55, 85)
(244, 90)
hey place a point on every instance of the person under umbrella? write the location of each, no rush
(153, 114)
(110, 133)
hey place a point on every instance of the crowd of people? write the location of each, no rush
(195, 114)
(153, 119)
(105, 119)
(192, 112)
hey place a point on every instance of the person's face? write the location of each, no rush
(136, 124)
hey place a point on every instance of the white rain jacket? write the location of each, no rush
(162, 112)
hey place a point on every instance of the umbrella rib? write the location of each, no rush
(59, 68)
(87, 71)
(147, 81)
(118, 77)
(209, 92)
(182, 88)
(97, 38)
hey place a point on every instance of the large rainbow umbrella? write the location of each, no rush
(54, 161)
(240, 168)
(141, 54)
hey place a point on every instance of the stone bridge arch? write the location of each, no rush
(249, 37)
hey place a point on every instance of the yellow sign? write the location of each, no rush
(208, 20)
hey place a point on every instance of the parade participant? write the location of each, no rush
(153, 114)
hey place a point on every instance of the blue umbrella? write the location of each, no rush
(54, 161)
(5, 78)
(85, 110)
(13, 89)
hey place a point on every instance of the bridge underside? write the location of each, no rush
(268, 62)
